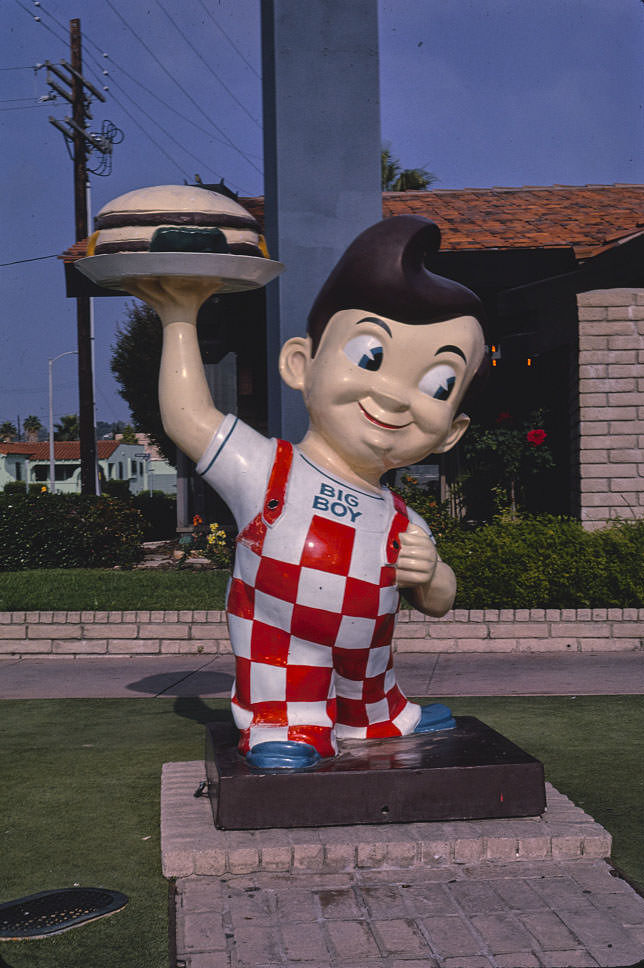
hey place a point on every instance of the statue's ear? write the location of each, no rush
(456, 431)
(295, 358)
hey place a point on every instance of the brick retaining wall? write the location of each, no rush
(461, 630)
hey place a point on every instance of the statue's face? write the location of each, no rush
(386, 394)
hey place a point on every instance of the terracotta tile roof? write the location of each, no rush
(63, 449)
(588, 218)
(74, 252)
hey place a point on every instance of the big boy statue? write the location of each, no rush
(323, 548)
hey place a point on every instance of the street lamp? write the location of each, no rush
(52, 462)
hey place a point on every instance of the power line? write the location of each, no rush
(167, 133)
(207, 65)
(160, 127)
(182, 89)
(229, 39)
(23, 107)
(91, 57)
(226, 140)
(122, 106)
(38, 20)
(151, 93)
(37, 258)
(148, 135)
(57, 21)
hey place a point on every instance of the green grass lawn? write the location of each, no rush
(79, 589)
(80, 801)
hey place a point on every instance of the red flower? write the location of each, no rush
(197, 520)
(504, 417)
(536, 437)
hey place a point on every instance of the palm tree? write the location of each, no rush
(396, 179)
(67, 428)
(32, 427)
(8, 432)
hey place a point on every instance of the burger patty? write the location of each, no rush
(118, 220)
(239, 239)
(140, 245)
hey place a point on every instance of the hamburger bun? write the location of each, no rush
(175, 218)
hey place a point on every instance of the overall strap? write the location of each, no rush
(399, 523)
(276, 489)
(254, 533)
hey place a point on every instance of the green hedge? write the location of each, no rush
(159, 511)
(68, 531)
(547, 562)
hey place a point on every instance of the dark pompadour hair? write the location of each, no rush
(383, 271)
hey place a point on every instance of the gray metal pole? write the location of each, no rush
(322, 148)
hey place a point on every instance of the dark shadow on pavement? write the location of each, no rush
(188, 681)
(197, 710)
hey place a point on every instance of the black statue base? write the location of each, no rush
(467, 773)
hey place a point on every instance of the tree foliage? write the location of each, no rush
(394, 178)
(128, 434)
(8, 432)
(32, 427)
(136, 359)
(67, 428)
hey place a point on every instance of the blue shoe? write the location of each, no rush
(434, 717)
(282, 755)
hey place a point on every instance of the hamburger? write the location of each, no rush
(176, 218)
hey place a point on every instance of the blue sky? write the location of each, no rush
(480, 92)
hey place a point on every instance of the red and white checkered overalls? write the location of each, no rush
(311, 610)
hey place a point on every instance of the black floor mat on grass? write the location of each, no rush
(50, 912)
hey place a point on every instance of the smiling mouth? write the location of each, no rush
(381, 423)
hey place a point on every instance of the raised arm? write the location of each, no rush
(189, 415)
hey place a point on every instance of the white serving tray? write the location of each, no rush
(232, 273)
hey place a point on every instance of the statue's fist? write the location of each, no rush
(417, 559)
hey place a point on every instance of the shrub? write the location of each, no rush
(622, 547)
(547, 562)
(116, 488)
(422, 501)
(67, 531)
(159, 511)
(15, 487)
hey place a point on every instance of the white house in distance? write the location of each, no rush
(140, 464)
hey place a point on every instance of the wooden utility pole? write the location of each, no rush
(87, 428)
(75, 131)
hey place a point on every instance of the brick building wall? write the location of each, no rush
(611, 405)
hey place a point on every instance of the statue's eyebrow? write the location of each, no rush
(451, 349)
(378, 322)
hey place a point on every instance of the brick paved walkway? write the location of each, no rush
(532, 893)
(490, 915)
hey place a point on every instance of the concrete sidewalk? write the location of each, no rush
(432, 675)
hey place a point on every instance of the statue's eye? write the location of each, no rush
(438, 382)
(365, 351)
